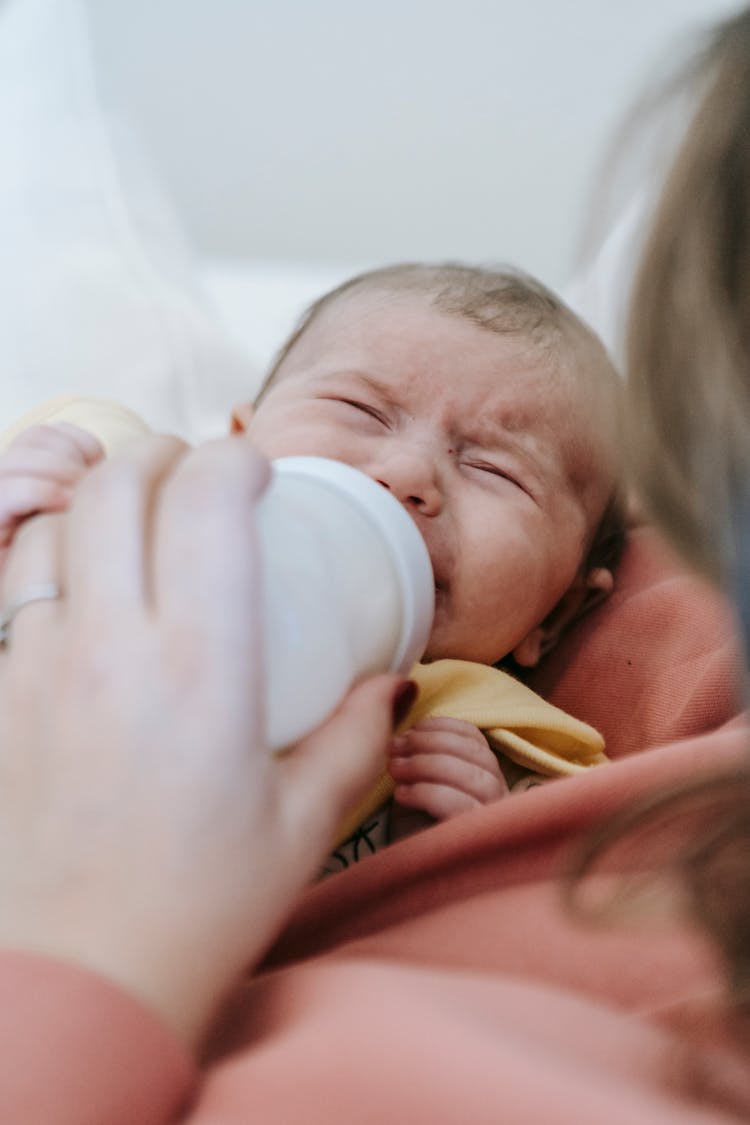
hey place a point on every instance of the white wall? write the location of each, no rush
(333, 130)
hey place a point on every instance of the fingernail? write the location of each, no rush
(403, 698)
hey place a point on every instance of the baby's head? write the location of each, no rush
(490, 412)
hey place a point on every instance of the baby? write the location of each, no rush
(488, 409)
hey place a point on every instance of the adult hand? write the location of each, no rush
(145, 831)
(38, 472)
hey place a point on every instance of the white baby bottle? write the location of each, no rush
(348, 589)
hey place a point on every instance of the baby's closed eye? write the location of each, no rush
(503, 476)
(360, 407)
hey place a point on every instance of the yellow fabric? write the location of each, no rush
(516, 721)
(114, 425)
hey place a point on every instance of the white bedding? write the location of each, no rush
(259, 302)
(100, 294)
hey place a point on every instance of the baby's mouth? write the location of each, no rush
(440, 577)
(441, 582)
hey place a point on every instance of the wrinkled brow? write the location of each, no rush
(377, 386)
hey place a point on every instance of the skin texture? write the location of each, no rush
(488, 447)
(143, 769)
(445, 766)
(442, 767)
(39, 471)
(492, 451)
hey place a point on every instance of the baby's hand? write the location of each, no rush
(444, 767)
(38, 472)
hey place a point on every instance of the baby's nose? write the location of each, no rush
(411, 477)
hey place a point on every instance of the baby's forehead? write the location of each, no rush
(431, 361)
(402, 340)
(543, 386)
(408, 326)
(374, 306)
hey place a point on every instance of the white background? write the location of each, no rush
(339, 131)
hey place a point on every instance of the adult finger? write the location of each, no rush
(109, 530)
(36, 556)
(328, 771)
(34, 563)
(23, 496)
(88, 447)
(61, 451)
(206, 560)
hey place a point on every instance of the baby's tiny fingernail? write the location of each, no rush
(403, 699)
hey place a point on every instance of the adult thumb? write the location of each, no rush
(331, 769)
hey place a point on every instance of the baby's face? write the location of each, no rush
(489, 449)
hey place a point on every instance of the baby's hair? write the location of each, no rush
(508, 302)
(504, 300)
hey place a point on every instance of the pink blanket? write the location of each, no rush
(655, 663)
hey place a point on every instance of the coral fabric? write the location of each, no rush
(517, 722)
(655, 663)
(500, 850)
(441, 980)
(73, 1048)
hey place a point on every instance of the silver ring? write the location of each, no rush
(44, 592)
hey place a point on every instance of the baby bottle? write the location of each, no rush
(348, 589)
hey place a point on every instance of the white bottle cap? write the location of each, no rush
(405, 546)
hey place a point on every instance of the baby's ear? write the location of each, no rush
(586, 592)
(241, 418)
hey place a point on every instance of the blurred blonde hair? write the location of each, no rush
(688, 339)
(688, 360)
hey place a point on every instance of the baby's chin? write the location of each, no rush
(448, 641)
(445, 645)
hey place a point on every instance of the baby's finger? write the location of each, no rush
(474, 781)
(441, 802)
(468, 744)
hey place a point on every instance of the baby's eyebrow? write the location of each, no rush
(518, 443)
(381, 389)
(509, 434)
